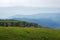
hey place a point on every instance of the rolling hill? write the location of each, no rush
(45, 19)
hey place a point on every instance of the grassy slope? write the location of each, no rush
(17, 33)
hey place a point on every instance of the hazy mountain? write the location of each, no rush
(46, 19)
(9, 11)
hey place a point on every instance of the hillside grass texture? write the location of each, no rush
(19, 33)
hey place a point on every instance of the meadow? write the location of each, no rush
(20, 33)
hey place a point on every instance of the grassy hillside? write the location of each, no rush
(17, 33)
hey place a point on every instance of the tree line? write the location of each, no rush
(18, 24)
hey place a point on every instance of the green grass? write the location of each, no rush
(17, 33)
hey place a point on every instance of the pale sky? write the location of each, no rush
(30, 3)
(28, 7)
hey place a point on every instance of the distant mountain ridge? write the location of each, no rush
(46, 19)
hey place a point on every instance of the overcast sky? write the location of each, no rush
(32, 3)
(27, 7)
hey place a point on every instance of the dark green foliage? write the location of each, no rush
(12, 23)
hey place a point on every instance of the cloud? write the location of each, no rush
(32, 3)
(37, 3)
(4, 3)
